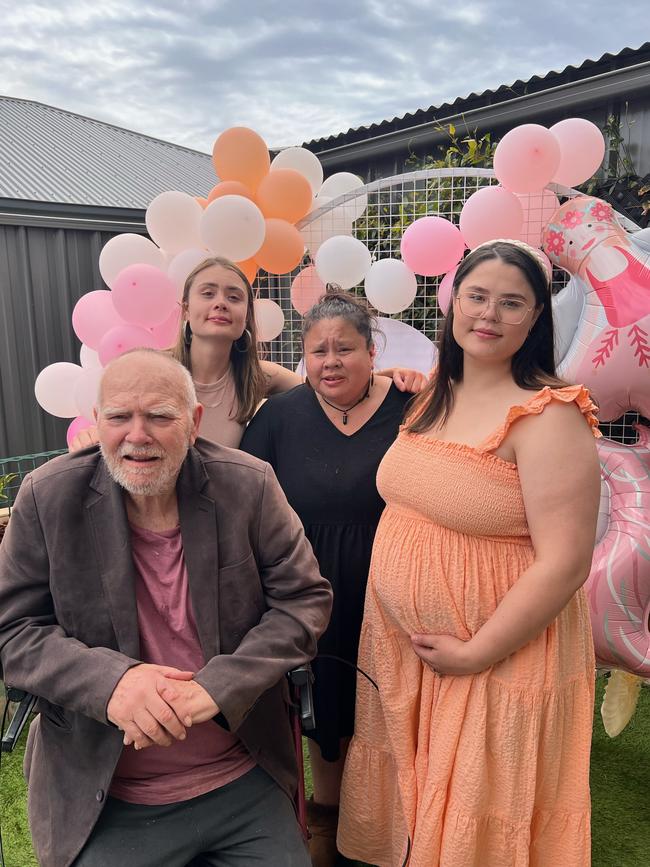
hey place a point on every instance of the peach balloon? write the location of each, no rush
(249, 267)
(202, 201)
(283, 248)
(229, 188)
(240, 154)
(285, 194)
(306, 289)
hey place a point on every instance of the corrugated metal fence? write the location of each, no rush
(44, 270)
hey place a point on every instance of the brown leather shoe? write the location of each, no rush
(322, 821)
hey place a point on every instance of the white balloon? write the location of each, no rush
(173, 220)
(269, 319)
(128, 249)
(86, 391)
(642, 238)
(403, 346)
(390, 285)
(568, 309)
(342, 183)
(54, 388)
(343, 260)
(88, 357)
(328, 225)
(234, 227)
(302, 161)
(182, 265)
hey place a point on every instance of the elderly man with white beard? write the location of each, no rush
(153, 593)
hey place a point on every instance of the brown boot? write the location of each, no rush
(322, 821)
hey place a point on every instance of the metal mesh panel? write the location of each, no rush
(20, 467)
(394, 203)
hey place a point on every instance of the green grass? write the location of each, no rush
(620, 787)
(16, 841)
(620, 790)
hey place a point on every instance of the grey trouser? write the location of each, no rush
(248, 821)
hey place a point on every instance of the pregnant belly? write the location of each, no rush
(430, 579)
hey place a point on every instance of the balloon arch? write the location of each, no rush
(388, 206)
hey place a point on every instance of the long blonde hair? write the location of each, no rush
(250, 381)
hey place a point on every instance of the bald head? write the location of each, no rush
(147, 419)
(147, 369)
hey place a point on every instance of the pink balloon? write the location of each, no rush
(143, 295)
(94, 314)
(538, 208)
(122, 338)
(582, 148)
(166, 333)
(78, 424)
(306, 289)
(432, 246)
(445, 289)
(527, 158)
(618, 586)
(490, 213)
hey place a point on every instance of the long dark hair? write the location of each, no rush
(250, 381)
(533, 365)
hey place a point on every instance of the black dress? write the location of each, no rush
(329, 479)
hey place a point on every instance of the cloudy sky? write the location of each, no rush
(184, 71)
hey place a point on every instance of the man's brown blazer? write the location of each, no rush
(69, 630)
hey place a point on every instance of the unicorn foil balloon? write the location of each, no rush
(609, 297)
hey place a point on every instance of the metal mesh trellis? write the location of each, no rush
(19, 467)
(394, 203)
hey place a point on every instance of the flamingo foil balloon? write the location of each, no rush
(607, 301)
(602, 325)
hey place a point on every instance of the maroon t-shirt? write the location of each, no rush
(210, 756)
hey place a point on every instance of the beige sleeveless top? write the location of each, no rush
(220, 408)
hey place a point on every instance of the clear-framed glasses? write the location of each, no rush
(510, 311)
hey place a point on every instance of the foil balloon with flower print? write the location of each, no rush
(610, 349)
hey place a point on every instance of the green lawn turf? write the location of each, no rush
(620, 787)
(620, 790)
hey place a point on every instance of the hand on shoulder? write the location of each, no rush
(84, 439)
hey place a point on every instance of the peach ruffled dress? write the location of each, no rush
(487, 770)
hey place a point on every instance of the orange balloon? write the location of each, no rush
(249, 267)
(286, 194)
(283, 247)
(239, 154)
(203, 202)
(229, 188)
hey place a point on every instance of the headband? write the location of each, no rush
(535, 254)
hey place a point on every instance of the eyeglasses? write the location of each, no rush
(510, 311)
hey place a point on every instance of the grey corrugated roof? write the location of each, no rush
(587, 69)
(51, 155)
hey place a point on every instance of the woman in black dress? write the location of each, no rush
(325, 440)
